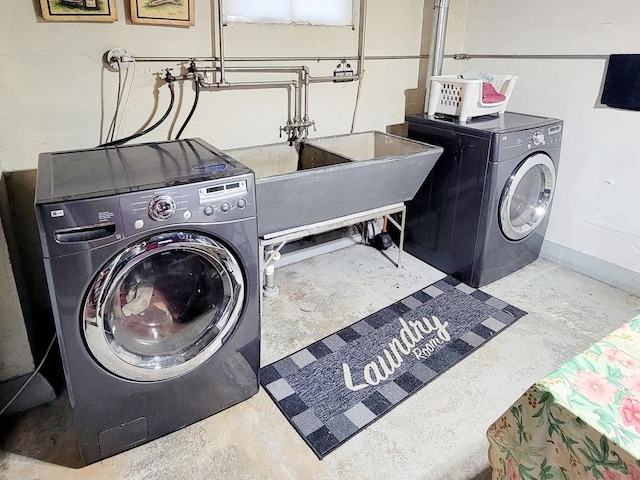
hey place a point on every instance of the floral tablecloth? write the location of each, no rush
(582, 421)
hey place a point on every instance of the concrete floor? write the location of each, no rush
(437, 434)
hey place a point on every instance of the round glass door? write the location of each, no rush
(527, 196)
(163, 306)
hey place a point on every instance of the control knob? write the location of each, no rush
(538, 138)
(161, 207)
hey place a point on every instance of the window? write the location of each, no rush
(314, 12)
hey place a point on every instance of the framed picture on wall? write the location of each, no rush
(79, 10)
(163, 12)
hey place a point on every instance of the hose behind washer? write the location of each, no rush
(147, 130)
(193, 109)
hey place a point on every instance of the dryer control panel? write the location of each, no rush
(544, 136)
(522, 142)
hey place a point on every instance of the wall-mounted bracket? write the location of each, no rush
(118, 59)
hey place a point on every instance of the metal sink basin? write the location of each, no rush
(330, 177)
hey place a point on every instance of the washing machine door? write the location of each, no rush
(527, 196)
(163, 306)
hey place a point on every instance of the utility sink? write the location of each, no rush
(330, 177)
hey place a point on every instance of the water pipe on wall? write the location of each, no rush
(221, 42)
(297, 127)
(292, 86)
(436, 45)
(359, 73)
(362, 27)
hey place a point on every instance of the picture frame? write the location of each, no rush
(79, 10)
(163, 12)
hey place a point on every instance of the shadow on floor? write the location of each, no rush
(484, 475)
(44, 433)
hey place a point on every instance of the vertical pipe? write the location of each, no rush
(306, 93)
(436, 46)
(361, 38)
(296, 101)
(360, 70)
(353, 14)
(299, 94)
(361, 32)
(289, 104)
(223, 79)
(441, 34)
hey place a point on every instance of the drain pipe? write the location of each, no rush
(436, 45)
(269, 287)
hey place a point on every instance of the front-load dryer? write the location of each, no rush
(151, 253)
(483, 211)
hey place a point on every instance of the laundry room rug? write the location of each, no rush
(337, 386)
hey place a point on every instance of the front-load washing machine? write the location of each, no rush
(151, 253)
(483, 211)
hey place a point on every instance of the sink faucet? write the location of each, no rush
(298, 130)
(291, 130)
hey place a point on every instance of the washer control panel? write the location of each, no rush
(161, 207)
(223, 198)
(220, 200)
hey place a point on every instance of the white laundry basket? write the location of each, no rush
(463, 98)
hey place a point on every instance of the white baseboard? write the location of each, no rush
(593, 267)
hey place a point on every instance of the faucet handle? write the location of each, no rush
(169, 76)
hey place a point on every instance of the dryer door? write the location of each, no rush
(527, 196)
(163, 306)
